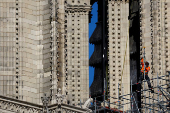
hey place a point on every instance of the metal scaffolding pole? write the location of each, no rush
(158, 89)
(95, 104)
(123, 93)
(135, 103)
(104, 95)
(149, 103)
(118, 98)
(131, 95)
(164, 91)
(156, 79)
(144, 74)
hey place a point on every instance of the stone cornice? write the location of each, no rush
(78, 8)
(20, 102)
(119, 1)
(14, 105)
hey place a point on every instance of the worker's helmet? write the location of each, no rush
(147, 63)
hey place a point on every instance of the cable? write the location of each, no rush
(124, 57)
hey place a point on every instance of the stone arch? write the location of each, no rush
(23, 109)
(12, 107)
(8, 106)
(5, 105)
(18, 109)
(30, 110)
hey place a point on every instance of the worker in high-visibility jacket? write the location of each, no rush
(147, 69)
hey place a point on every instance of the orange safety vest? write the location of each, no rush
(147, 69)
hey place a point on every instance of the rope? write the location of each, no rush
(124, 58)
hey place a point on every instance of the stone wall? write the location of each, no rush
(30, 41)
(36, 51)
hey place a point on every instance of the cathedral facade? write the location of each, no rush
(44, 47)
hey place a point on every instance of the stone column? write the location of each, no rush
(118, 47)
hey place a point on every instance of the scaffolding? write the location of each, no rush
(159, 102)
(155, 99)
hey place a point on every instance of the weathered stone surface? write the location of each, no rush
(118, 47)
(35, 49)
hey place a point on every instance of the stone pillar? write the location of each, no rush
(118, 47)
(77, 51)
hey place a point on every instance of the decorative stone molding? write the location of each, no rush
(78, 8)
(10, 105)
(16, 106)
(119, 1)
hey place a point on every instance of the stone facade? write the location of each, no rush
(118, 50)
(25, 49)
(38, 53)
